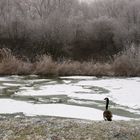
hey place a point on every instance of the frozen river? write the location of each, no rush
(72, 97)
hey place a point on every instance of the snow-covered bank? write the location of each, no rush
(52, 128)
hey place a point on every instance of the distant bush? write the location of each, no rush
(95, 39)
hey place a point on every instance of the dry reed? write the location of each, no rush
(124, 64)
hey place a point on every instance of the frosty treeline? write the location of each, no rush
(68, 28)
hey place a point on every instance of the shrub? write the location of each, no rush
(127, 63)
(9, 64)
(45, 66)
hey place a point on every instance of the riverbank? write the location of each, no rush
(51, 128)
(124, 64)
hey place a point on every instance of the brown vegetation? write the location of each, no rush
(124, 64)
(9, 64)
(45, 66)
(127, 63)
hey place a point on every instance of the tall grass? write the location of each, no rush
(124, 64)
(9, 64)
(127, 63)
(45, 66)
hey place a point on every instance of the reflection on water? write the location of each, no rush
(79, 93)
